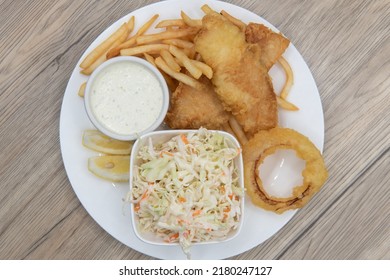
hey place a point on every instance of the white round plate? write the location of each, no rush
(104, 200)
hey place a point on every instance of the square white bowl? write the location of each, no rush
(159, 137)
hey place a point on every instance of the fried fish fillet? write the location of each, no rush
(191, 108)
(272, 44)
(240, 78)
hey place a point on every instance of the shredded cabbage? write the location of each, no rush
(186, 190)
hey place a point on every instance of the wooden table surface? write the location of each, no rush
(346, 45)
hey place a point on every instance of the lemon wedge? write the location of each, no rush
(97, 141)
(112, 168)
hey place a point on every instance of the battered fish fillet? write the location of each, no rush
(191, 108)
(272, 44)
(240, 79)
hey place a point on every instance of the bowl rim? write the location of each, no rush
(173, 133)
(148, 66)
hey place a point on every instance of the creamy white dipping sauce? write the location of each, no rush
(126, 97)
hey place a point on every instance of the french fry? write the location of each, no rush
(170, 60)
(94, 65)
(187, 63)
(125, 45)
(228, 129)
(189, 21)
(150, 59)
(150, 38)
(206, 70)
(206, 9)
(233, 20)
(172, 84)
(152, 48)
(170, 23)
(184, 44)
(130, 24)
(147, 25)
(178, 76)
(238, 131)
(286, 105)
(133, 40)
(289, 77)
(103, 57)
(103, 47)
(82, 89)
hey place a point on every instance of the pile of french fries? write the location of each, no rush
(172, 52)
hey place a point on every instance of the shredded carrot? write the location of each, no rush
(231, 196)
(174, 236)
(196, 213)
(182, 199)
(144, 195)
(166, 153)
(227, 209)
(184, 139)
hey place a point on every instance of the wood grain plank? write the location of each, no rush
(84, 238)
(357, 225)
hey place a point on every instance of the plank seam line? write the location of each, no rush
(368, 167)
(42, 239)
(59, 56)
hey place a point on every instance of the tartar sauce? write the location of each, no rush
(126, 97)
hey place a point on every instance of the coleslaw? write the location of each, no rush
(187, 190)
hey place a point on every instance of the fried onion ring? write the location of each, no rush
(265, 143)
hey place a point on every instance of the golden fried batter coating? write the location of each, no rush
(266, 143)
(191, 108)
(241, 80)
(272, 44)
